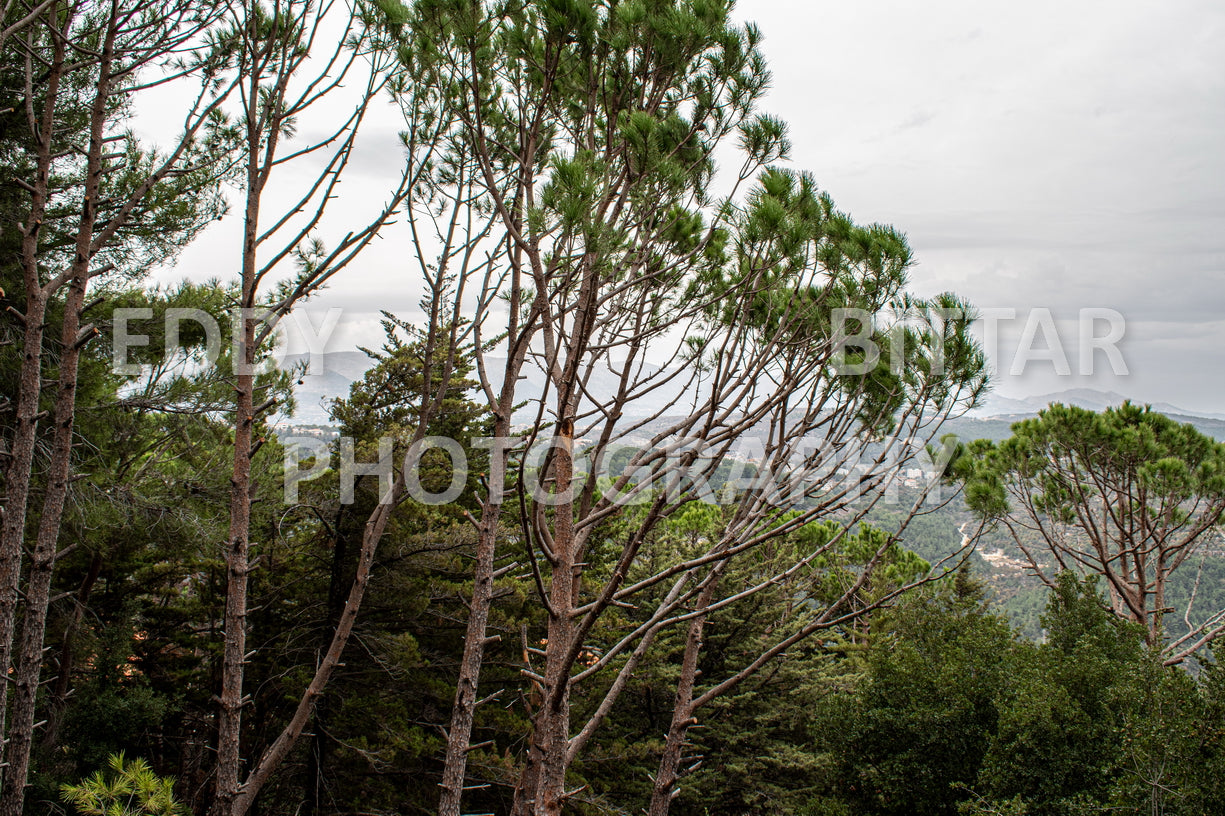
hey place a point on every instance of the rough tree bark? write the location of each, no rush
(237, 547)
(463, 711)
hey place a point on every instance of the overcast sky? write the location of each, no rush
(1040, 155)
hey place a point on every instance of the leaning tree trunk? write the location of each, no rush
(320, 745)
(541, 790)
(463, 712)
(665, 789)
(272, 758)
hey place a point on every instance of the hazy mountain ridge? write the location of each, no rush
(997, 406)
(332, 374)
(328, 377)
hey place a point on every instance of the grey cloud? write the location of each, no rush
(1031, 164)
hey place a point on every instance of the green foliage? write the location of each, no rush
(1069, 455)
(130, 788)
(955, 715)
(922, 720)
(982, 807)
(1057, 743)
(130, 638)
(756, 749)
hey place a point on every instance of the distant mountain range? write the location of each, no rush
(1000, 406)
(993, 419)
(330, 378)
(334, 372)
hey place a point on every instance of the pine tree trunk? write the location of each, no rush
(669, 763)
(682, 710)
(237, 562)
(542, 786)
(555, 736)
(237, 546)
(42, 563)
(463, 711)
(666, 777)
(42, 566)
(18, 474)
(17, 490)
(524, 803)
